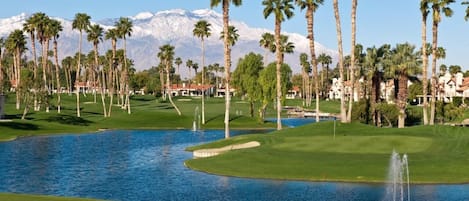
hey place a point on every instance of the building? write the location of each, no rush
(192, 90)
(294, 93)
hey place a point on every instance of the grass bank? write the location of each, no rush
(358, 153)
(19, 197)
(148, 112)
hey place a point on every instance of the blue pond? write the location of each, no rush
(294, 122)
(149, 165)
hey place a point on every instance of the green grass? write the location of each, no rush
(359, 153)
(147, 113)
(19, 197)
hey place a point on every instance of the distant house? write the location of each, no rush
(335, 92)
(294, 93)
(87, 87)
(386, 90)
(193, 90)
(221, 92)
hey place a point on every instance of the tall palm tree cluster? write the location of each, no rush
(109, 74)
(36, 80)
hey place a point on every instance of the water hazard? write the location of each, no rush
(148, 165)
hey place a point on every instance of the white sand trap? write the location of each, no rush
(204, 153)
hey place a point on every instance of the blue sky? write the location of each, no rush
(378, 21)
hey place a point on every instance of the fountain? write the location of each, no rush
(398, 179)
(196, 122)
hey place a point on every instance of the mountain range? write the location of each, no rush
(151, 30)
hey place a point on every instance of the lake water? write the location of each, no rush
(149, 165)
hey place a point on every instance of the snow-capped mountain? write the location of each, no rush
(151, 30)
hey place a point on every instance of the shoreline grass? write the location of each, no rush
(148, 112)
(437, 154)
(23, 197)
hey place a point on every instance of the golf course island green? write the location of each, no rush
(357, 153)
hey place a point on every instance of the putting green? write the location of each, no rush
(355, 144)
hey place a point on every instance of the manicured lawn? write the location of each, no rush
(359, 153)
(147, 113)
(19, 197)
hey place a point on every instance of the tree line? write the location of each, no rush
(111, 74)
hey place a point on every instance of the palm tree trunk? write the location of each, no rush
(111, 87)
(163, 91)
(303, 87)
(375, 91)
(45, 49)
(126, 78)
(26, 106)
(1, 75)
(168, 87)
(33, 47)
(352, 60)
(402, 99)
(111, 76)
(17, 73)
(57, 77)
(77, 79)
(343, 112)
(434, 78)
(227, 51)
(279, 65)
(424, 71)
(100, 82)
(65, 68)
(310, 14)
(203, 81)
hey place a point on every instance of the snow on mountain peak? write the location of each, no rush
(172, 11)
(9, 24)
(206, 13)
(175, 27)
(143, 16)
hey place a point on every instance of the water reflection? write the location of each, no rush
(148, 165)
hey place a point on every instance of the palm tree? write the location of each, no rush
(67, 65)
(81, 22)
(424, 8)
(202, 31)
(189, 64)
(438, 6)
(232, 35)
(44, 35)
(281, 9)
(195, 66)
(95, 35)
(405, 63)
(166, 56)
(124, 28)
(16, 44)
(178, 62)
(56, 28)
(267, 42)
(311, 6)
(112, 35)
(305, 70)
(227, 55)
(31, 26)
(376, 59)
(325, 61)
(343, 111)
